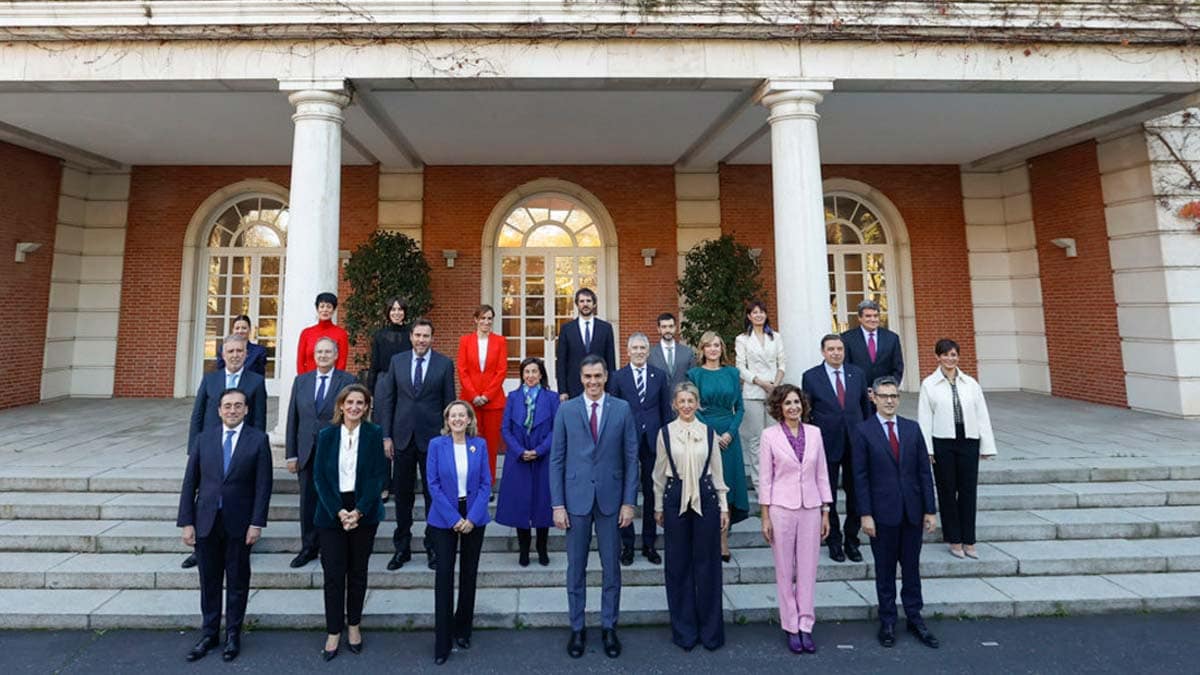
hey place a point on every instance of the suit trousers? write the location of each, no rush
(489, 422)
(956, 472)
(579, 542)
(692, 571)
(220, 557)
(309, 541)
(344, 557)
(649, 527)
(843, 471)
(796, 546)
(450, 622)
(406, 463)
(898, 543)
(754, 420)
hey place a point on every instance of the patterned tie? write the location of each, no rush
(321, 394)
(640, 382)
(841, 390)
(893, 440)
(228, 449)
(871, 346)
(419, 375)
(594, 425)
(587, 335)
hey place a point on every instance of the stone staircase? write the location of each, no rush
(96, 547)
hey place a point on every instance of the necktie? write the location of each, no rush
(640, 383)
(894, 441)
(587, 335)
(670, 359)
(871, 346)
(594, 425)
(228, 449)
(321, 393)
(841, 390)
(231, 380)
(419, 374)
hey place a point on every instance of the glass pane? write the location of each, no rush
(219, 236)
(589, 237)
(514, 364)
(267, 329)
(538, 211)
(214, 326)
(281, 222)
(563, 306)
(852, 300)
(520, 220)
(872, 231)
(216, 306)
(258, 236)
(510, 265)
(875, 262)
(845, 207)
(535, 348)
(247, 208)
(830, 214)
(535, 327)
(510, 286)
(851, 321)
(510, 305)
(510, 237)
(587, 265)
(549, 235)
(239, 305)
(587, 282)
(534, 306)
(853, 261)
(854, 283)
(510, 326)
(269, 286)
(270, 264)
(514, 347)
(535, 265)
(578, 220)
(268, 306)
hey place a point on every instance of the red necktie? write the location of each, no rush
(894, 440)
(595, 427)
(871, 346)
(841, 390)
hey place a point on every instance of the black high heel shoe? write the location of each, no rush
(726, 557)
(329, 656)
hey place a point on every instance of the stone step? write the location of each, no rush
(500, 569)
(1005, 596)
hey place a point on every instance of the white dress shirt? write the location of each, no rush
(348, 458)
(833, 378)
(483, 346)
(759, 359)
(587, 404)
(317, 382)
(237, 435)
(461, 464)
(935, 410)
(583, 329)
(412, 367)
(237, 378)
(883, 422)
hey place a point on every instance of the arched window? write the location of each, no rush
(860, 258)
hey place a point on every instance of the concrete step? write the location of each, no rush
(99, 609)
(500, 569)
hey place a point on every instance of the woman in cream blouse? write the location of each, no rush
(958, 432)
(690, 505)
(761, 362)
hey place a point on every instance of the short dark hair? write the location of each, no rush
(533, 360)
(232, 390)
(752, 305)
(483, 309)
(585, 291)
(944, 346)
(395, 300)
(884, 381)
(775, 402)
(241, 317)
(868, 304)
(326, 297)
(665, 316)
(828, 337)
(591, 360)
(422, 321)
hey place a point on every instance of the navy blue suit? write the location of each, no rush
(256, 358)
(206, 410)
(836, 423)
(889, 359)
(897, 495)
(649, 415)
(569, 352)
(222, 506)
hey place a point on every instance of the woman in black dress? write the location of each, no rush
(390, 340)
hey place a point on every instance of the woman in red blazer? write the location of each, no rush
(482, 363)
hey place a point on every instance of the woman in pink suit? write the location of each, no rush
(482, 363)
(795, 497)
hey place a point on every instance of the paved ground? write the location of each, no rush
(1092, 644)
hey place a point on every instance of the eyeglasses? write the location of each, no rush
(888, 397)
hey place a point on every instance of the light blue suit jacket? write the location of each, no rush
(584, 472)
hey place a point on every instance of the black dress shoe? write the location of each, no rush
(577, 643)
(304, 558)
(922, 632)
(626, 556)
(463, 642)
(439, 660)
(612, 646)
(189, 562)
(836, 554)
(853, 553)
(233, 647)
(650, 554)
(202, 647)
(398, 560)
(887, 635)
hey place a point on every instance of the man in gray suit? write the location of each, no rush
(593, 481)
(309, 411)
(669, 354)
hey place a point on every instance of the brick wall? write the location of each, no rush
(1077, 293)
(162, 201)
(29, 183)
(929, 198)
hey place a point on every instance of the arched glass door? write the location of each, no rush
(860, 259)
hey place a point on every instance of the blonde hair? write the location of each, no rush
(471, 430)
(709, 337)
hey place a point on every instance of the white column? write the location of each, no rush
(801, 264)
(313, 227)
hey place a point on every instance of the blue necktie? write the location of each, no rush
(231, 380)
(419, 375)
(321, 393)
(228, 448)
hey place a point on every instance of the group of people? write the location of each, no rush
(690, 431)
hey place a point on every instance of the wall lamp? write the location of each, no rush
(25, 247)
(449, 254)
(648, 255)
(1067, 244)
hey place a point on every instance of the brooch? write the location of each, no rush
(471, 448)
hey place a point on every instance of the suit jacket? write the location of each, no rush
(650, 415)
(442, 471)
(685, 358)
(888, 358)
(488, 382)
(761, 360)
(304, 419)
(586, 472)
(370, 475)
(243, 496)
(886, 490)
(783, 480)
(206, 410)
(405, 413)
(834, 421)
(569, 353)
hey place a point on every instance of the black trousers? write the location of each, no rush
(836, 533)
(223, 560)
(956, 473)
(308, 509)
(649, 527)
(692, 570)
(448, 621)
(344, 557)
(898, 544)
(406, 464)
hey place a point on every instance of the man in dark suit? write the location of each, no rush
(895, 498)
(647, 391)
(669, 355)
(222, 509)
(874, 349)
(205, 413)
(593, 482)
(310, 410)
(838, 394)
(410, 399)
(579, 337)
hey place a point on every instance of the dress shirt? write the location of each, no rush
(237, 434)
(587, 403)
(328, 382)
(689, 449)
(759, 359)
(668, 350)
(833, 379)
(412, 368)
(583, 329)
(237, 378)
(867, 338)
(348, 458)
(483, 349)
(461, 465)
(935, 410)
(883, 422)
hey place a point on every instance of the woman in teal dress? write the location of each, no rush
(721, 408)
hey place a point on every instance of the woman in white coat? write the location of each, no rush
(761, 362)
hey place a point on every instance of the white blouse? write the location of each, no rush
(483, 347)
(758, 359)
(935, 411)
(689, 449)
(348, 459)
(461, 465)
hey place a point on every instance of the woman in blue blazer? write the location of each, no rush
(460, 485)
(528, 429)
(350, 472)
